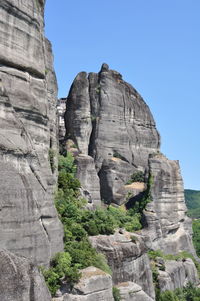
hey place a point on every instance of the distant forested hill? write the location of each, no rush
(192, 198)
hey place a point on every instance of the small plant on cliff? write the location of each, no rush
(116, 294)
(136, 177)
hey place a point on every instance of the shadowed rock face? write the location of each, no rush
(20, 280)
(108, 120)
(28, 89)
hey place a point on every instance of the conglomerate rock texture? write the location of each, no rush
(20, 280)
(29, 223)
(108, 120)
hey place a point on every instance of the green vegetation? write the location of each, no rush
(182, 255)
(196, 235)
(119, 156)
(136, 177)
(140, 204)
(61, 267)
(192, 198)
(116, 294)
(52, 155)
(78, 224)
(188, 293)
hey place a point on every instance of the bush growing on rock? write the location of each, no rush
(78, 224)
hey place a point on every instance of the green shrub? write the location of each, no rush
(116, 294)
(78, 223)
(196, 235)
(136, 177)
(168, 296)
(61, 267)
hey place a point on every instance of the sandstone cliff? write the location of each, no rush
(116, 138)
(29, 223)
(108, 120)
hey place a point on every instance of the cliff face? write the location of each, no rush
(169, 228)
(20, 280)
(108, 120)
(116, 138)
(29, 223)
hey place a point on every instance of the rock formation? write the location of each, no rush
(168, 227)
(177, 274)
(116, 139)
(113, 136)
(128, 260)
(20, 280)
(29, 223)
(93, 285)
(108, 120)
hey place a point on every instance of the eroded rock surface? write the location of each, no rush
(108, 119)
(29, 223)
(130, 291)
(128, 260)
(93, 285)
(20, 280)
(177, 274)
(169, 228)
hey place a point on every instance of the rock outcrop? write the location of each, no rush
(117, 141)
(130, 291)
(108, 120)
(20, 280)
(128, 260)
(177, 274)
(168, 227)
(93, 285)
(29, 223)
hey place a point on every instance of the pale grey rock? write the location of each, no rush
(87, 175)
(169, 228)
(20, 280)
(177, 274)
(93, 285)
(107, 118)
(130, 291)
(127, 260)
(30, 225)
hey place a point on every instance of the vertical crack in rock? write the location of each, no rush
(28, 121)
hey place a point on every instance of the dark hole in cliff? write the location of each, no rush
(173, 231)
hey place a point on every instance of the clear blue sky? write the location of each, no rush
(155, 45)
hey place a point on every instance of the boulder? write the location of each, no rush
(93, 285)
(130, 291)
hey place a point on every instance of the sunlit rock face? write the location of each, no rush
(109, 121)
(128, 260)
(29, 222)
(168, 227)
